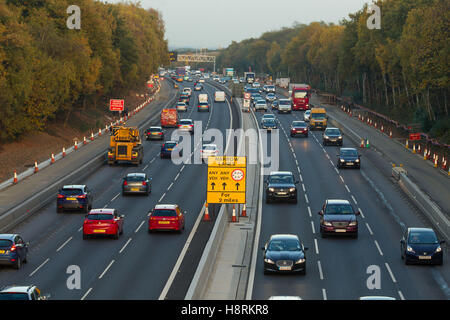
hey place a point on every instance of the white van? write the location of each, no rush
(219, 96)
(203, 97)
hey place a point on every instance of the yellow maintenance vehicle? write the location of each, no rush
(125, 145)
(318, 118)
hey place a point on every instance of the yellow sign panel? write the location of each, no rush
(226, 179)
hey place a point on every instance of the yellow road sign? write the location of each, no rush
(226, 182)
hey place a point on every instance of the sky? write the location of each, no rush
(216, 23)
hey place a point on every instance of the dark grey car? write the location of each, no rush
(136, 183)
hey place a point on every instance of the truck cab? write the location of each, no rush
(300, 96)
(318, 118)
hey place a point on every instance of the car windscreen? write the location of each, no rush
(169, 145)
(285, 102)
(164, 213)
(270, 87)
(154, 129)
(422, 238)
(13, 296)
(203, 103)
(349, 153)
(5, 243)
(339, 209)
(185, 122)
(210, 148)
(260, 102)
(284, 245)
(71, 192)
(100, 216)
(135, 178)
(318, 115)
(281, 178)
(332, 132)
(300, 94)
(301, 124)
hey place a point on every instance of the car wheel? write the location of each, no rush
(266, 272)
(86, 209)
(303, 272)
(25, 259)
(440, 262)
(116, 236)
(85, 236)
(268, 200)
(402, 256)
(323, 235)
(406, 261)
(59, 210)
(355, 236)
(18, 264)
(121, 231)
(295, 200)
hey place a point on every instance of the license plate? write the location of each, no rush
(154, 133)
(169, 149)
(285, 268)
(2, 251)
(424, 257)
(134, 189)
(349, 163)
(340, 230)
(99, 231)
(164, 222)
(71, 198)
(282, 193)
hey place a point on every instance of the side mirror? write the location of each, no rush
(357, 213)
(442, 242)
(320, 213)
(305, 248)
(296, 182)
(263, 248)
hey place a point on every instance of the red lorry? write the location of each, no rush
(301, 93)
(169, 118)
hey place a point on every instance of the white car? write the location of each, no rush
(261, 105)
(201, 80)
(255, 84)
(181, 106)
(307, 115)
(186, 125)
(209, 150)
(22, 293)
(188, 91)
(284, 105)
(219, 96)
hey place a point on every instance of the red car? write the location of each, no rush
(103, 222)
(299, 128)
(166, 217)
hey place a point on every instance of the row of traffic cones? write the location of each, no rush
(207, 217)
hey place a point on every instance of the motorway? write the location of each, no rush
(138, 265)
(339, 268)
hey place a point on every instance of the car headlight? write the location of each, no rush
(291, 189)
(357, 160)
(326, 223)
(269, 261)
(340, 137)
(271, 189)
(409, 249)
(301, 260)
(341, 160)
(353, 223)
(438, 249)
(325, 137)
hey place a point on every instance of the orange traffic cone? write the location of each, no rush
(407, 145)
(436, 161)
(99, 132)
(382, 128)
(64, 152)
(53, 159)
(233, 217)
(362, 143)
(206, 216)
(84, 140)
(36, 169)
(244, 211)
(15, 177)
(414, 148)
(390, 134)
(92, 136)
(75, 146)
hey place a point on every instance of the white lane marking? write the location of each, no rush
(309, 212)
(317, 246)
(107, 268)
(332, 164)
(324, 293)
(346, 187)
(306, 198)
(81, 228)
(42, 264)
(342, 179)
(337, 171)
(303, 186)
(370, 230)
(182, 168)
(125, 245)
(85, 295)
(301, 177)
(64, 244)
(320, 270)
(115, 197)
(360, 211)
(378, 247)
(143, 221)
(177, 176)
(170, 186)
(312, 226)
(401, 295)
(354, 200)
(162, 197)
(390, 273)
(145, 167)
(328, 156)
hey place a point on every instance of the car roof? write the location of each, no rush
(103, 210)
(74, 186)
(284, 236)
(186, 120)
(331, 128)
(166, 206)
(8, 236)
(281, 172)
(337, 201)
(18, 289)
(210, 145)
(376, 298)
(348, 149)
(415, 229)
(156, 127)
(170, 141)
(136, 174)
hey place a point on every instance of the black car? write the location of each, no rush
(281, 185)
(13, 250)
(338, 217)
(420, 245)
(168, 148)
(299, 128)
(269, 124)
(74, 197)
(154, 133)
(136, 183)
(184, 97)
(284, 253)
(332, 136)
(275, 104)
(198, 87)
(349, 157)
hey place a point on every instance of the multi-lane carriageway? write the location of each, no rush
(141, 265)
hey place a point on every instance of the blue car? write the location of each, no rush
(168, 148)
(13, 250)
(349, 157)
(421, 245)
(74, 197)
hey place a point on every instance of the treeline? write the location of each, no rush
(401, 69)
(48, 70)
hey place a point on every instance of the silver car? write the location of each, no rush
(307, 115)
(136, 183)
(209, 150)
(186, 125)
(261, 105)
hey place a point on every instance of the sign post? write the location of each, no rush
(226, 180)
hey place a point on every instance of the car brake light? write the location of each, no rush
(144, 183)
(125, 183)
(159, 132)
(83, 196)
(60, 196)
(13, 248)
